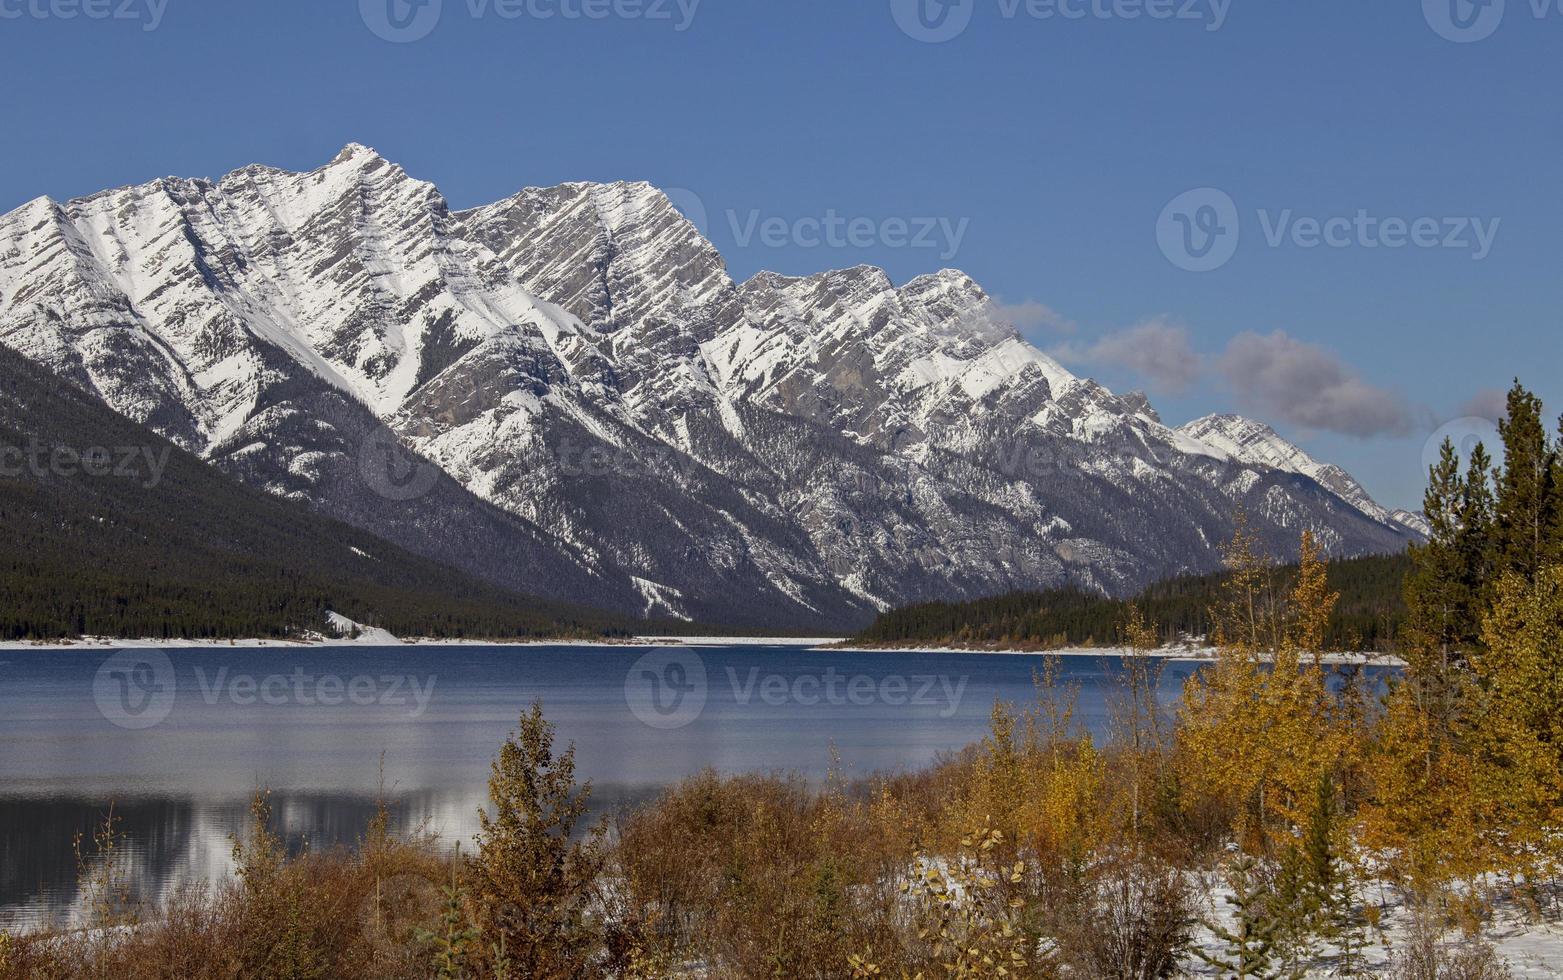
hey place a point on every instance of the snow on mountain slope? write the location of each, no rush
(574, 397)
(1259, 445)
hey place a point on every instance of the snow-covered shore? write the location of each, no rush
(1188, 654)
(381, 638)
(372, 637)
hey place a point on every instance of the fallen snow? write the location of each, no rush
(358, 632)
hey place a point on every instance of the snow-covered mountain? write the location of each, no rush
(1257, 444)
(565, 392)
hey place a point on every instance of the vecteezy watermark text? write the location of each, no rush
(1199, 230)
(670, 688)
(310, 690)
(1469, 21)
(754, 228)
(1366, 230)
(138, 689)
(603, 460)
(835, 688)
(404, 21)
(148, 13)
(834, 230)
(937, 21)
(144, 464)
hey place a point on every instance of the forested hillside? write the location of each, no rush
(1367, 617)
(148, 541)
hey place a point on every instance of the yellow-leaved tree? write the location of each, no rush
(1037, 778)
(1518, 724)
(1259, 729)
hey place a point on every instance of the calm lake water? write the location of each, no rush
(178, 741)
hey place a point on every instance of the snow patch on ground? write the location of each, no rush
(358, 632)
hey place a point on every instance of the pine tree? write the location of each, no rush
(1249, 952)
(1527, 505)
(1420, 768)
(1473, 552)
(1435, 590)
(531, 879)
(450, 942)
(1332, 902)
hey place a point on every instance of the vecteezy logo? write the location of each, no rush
(392, 470)
(135, 688)
(1463, 21)
(933, 21)
(692, 207)
(1465, 433)
(401, 21)
(666, 689)
(1199, 230)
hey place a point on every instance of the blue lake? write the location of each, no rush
(178, 741)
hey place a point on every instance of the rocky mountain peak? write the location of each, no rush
(591, 390)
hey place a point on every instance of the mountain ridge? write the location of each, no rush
(798, 451)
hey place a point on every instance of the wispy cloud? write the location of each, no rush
(1287, 380)
(1031, 316)
(1488, 403)
(1159, 351)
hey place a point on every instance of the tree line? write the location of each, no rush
(1368, 617)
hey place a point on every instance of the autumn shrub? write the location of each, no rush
(1424, 956)
(966, 917)
(759, 875)
(1131, 923)
(309, 914)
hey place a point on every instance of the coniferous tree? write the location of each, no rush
(1448, 584)
(1418, 769)
(1473, 545)
(1434, 588)
(1249, 949)
(531, 879)
(1555, 530)
(1527, 505)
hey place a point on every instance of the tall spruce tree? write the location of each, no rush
(1474, 547)
(1437, 592)
(1555, 531)
(1526, 518)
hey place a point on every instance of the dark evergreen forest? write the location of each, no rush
(198, 555)
(1368, 616)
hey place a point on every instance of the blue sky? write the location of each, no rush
(1047, 148)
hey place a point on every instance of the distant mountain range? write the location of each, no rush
(564, 394)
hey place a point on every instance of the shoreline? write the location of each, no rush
(826, 645)
(103, 644)
(1178, 654)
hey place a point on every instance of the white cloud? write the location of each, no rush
(1288, 380)
(1031, 316)
(1158, 350)
(1488, 403)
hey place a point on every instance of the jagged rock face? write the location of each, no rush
(1256, 444)
(573, 398)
